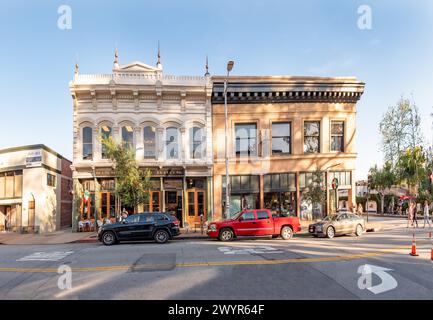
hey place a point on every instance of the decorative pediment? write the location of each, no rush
(138, 66)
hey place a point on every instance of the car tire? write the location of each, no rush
(359, 230)
(226, 235)
(330, 232)
(287, 233)
(161, 236)
(108, 238)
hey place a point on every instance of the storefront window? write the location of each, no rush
(245, 193)
(344, 177)
(197, 145)
(311, 136)
(280, 193)
(246, 139)
(337, 136)
(172, 143)
(128, 137)
(281, 138)
(11, 184)
(105, 133)
(87, 143)
(149, 142)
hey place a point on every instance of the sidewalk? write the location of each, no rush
(66, 236)
(58, 237)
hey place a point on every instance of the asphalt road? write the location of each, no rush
(302, 268)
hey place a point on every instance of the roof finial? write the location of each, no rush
(116, 59)
(158, 63)
(76, 65)
(207, 67)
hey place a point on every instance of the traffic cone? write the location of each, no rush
(413, 252)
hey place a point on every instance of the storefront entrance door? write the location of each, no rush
(196, 207)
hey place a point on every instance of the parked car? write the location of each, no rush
(338, 224)
(259, 222)
(143, 226)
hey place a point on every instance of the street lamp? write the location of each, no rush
(230, 65)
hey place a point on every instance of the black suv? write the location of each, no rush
(142, 226)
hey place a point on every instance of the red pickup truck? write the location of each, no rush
(258, 222)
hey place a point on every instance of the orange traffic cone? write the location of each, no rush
(413, 252)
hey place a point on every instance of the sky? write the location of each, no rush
(272, 37)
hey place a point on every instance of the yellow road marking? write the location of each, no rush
(213, 263)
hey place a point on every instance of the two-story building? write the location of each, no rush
(280, 130)
(165, 119)
(35, 189)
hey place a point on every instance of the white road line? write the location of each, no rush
(248, 250)
(46, 256)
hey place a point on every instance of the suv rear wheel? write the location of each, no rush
(161, 236)
(286, 233)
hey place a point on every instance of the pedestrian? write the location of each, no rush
(409, 215)
(415, 220)
(7, 224)
(124, 214)
(360, 210)
(426, 213)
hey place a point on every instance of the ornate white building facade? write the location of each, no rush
(165, 119)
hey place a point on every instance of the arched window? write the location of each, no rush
(87, 143)
(172, 143)
(128, 137)
(196, 143)
(149, 142)
(105, 134)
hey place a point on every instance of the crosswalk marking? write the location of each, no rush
(248, 250)
(47, 256)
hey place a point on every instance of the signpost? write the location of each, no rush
(335, 187)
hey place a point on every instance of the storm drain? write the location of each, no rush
(154, 262)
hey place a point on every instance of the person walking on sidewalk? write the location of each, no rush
(426, 213)
(409, 215)
(415, 218)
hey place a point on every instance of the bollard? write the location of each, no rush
(413, 252)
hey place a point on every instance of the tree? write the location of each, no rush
(132, 184)
(411, 168)
(400, 129)
(382, 179)
(315, 192)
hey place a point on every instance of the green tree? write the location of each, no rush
(382, 179)
(315, 192)
(132, 184)
(411, 168)
(400, 129)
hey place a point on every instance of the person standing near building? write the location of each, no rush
(124, 214)
(426, 213)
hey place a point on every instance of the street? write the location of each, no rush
(302, 268)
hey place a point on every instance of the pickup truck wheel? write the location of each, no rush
(359, 230)
(108, 238)
(330, 232)
(226, 235)
(161, 236)
(286, 233)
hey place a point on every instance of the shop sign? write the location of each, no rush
(34, 158)
(166, 172)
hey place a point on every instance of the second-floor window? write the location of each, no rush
(128, 137)
(197, 146)
(337, 136)
(246, 139)
(51, 180)
(172, 143)
(281, 138)
(311, 136)
(105, 134)
(87, 143)
(149, 142)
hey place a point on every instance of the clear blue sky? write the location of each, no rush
(302, 37)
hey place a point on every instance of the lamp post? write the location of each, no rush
(227, 208)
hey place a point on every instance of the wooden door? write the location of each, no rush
(196, 207)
